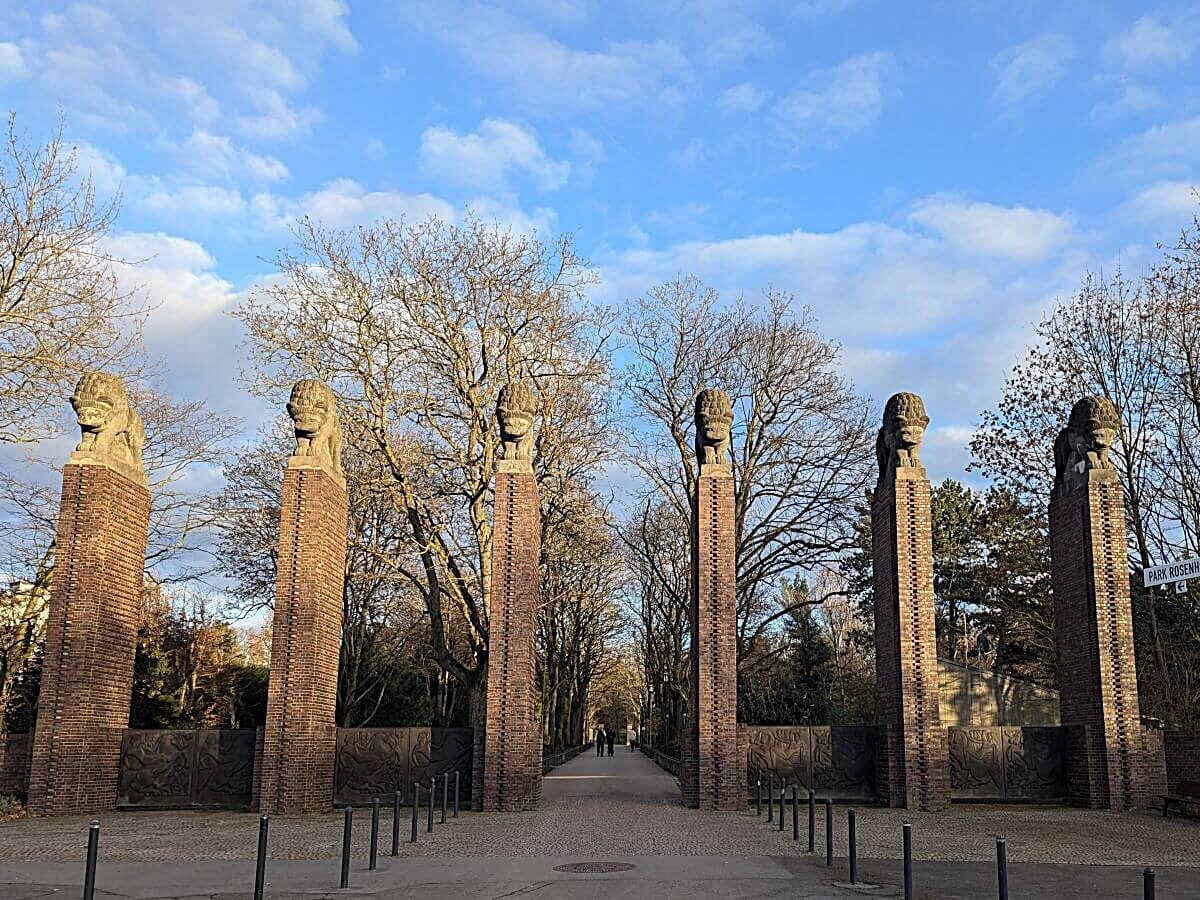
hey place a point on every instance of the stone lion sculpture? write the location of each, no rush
(898, 444)
(714, 421)
(111, 430)
(1084, 444)
(313, 409)
(516, 406)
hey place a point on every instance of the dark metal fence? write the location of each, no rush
(663, 760)
(557, 759)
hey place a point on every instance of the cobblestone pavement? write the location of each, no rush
(625, 808)
(624, 804)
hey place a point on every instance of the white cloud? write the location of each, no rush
(125, 63)
(1151, 42)
(375, 149)
(742, 98)
(544, 73)
(584, 144)
(344, 203)
(176, 275)
(836, 103)
(159, 198)
(1014, 232)
(12, 62)
(1168, 150)
(485, 158)
(1130, 98)
(1166, 203)
(1028, 70)
(214, 154)
(202, 108)
(739, 43)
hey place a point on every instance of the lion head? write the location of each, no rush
(714, 422)
(110, 429)
(313, 410)
(516, 405)
(898, 443)
(1084, 444)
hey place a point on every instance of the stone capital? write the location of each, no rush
(515, 466)
(716, 470)
(315, 464)
(109, 461)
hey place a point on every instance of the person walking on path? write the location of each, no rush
(611, 736)
(600, 741)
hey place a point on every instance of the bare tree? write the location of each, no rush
(802, 437)
(62, 310)
(580, 621)
(416, 327)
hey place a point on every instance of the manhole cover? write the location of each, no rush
(585, 867)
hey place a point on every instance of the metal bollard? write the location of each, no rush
(373, 859)
(260, 868)
(89, 868)
(1001, 867)
(782, 789)
(853, 847)
(758, 796)
(432, 797)
(908, 881)
(795, 814)
(829, 832)
(396, 824)
(770, 796)
(445, 795)
(456, 793)
(1148, 884)
(416, 807)
(346, 829)
(812, 820)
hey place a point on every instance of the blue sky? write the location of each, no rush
(929, 177)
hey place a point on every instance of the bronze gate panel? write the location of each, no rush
(1007, 762)
(834, 760)
(162, 769)
(375, 762)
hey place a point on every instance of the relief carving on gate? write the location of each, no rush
(837, 761)
(375, 762)
(182, 768)
(1009, 762)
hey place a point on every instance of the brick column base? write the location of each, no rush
(914, 765)
(299, 737)
(1107, 762)
(512, 757)
(91, 639)
(713, 758)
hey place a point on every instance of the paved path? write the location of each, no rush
(622, 810)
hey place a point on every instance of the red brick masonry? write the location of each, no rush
(713, 758)
(512, 757)
(91, 638)
(1107, 764)
(913, 760)
(299, 738)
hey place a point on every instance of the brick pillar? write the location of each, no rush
(712, 759)
(913, 754)
(1107, 764)
(306, 637)
(512, 753)
(95, 608)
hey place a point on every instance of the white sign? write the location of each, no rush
(1168, 572)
